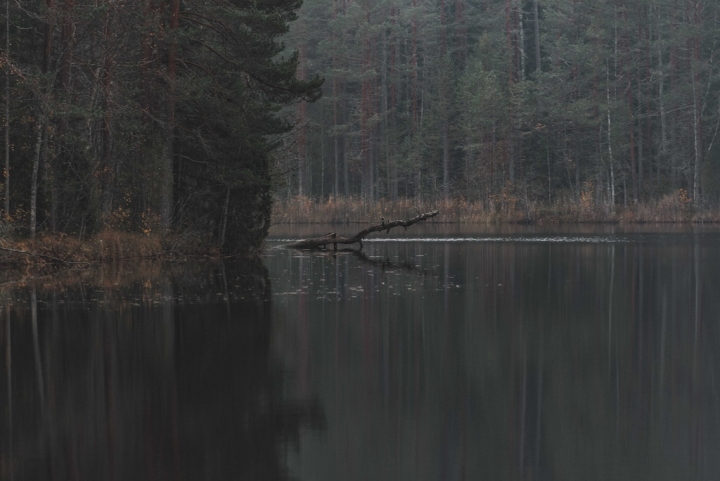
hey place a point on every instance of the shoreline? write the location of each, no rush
(673, 208)
(119, 275)
(49, 256)
(57, 252)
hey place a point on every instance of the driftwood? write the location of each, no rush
(334, 239)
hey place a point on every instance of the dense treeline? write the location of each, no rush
(602, 102)
(145, 115)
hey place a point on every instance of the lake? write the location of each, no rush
(442, 352)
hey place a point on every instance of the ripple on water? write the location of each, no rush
(554, 239)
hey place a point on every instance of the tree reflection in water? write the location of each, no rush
(145, 372)
(506, 359)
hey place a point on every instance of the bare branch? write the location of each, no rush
(332, 237)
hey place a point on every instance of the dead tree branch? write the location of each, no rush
(334, 239)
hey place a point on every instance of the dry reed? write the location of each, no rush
(674, 207)
(107, 246)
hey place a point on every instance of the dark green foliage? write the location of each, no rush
(624, 107)
(160, 115)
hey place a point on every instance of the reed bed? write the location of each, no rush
(108, 246)
(672, 208)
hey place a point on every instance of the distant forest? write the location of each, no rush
(605, 101)
(151, 116)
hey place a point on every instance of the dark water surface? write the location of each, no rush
(439, 353)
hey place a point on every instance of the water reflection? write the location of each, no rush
(409, 360)
(146, 372)
(501, 360)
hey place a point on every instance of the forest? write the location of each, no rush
(145, 116)
(601, 103)
(154, 116)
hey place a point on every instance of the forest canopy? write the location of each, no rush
(608, 102)
(146, 115)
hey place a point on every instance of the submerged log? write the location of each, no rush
(334, 239)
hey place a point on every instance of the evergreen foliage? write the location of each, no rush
(148, 115)
(612, 101)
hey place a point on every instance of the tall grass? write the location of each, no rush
(673, 207)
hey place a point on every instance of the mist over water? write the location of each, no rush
(453, 352)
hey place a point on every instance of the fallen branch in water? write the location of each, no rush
(333, 238)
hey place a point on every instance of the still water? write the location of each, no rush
(439, 353)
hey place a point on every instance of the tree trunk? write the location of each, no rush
(536, 23)
(365, 115)
(166, 169)
(633, 167)
(609, 140)
(7, 109)
(461, 40)
(521, 40)
(346, 179)
(414, 73)
(384, 115)
(336, 138)
(302, 123)
(40, 128)
(640, 143)
(697, 107)
(393, 85)
(663, 117)
(224, 223)
(512, 71)
(107, 164)
(335, 93)
(446, 161)
(67, 41)
(697, 126)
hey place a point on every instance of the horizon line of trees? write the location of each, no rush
(149, 115)
(613, 101)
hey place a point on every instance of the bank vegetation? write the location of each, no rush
(676, 207)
